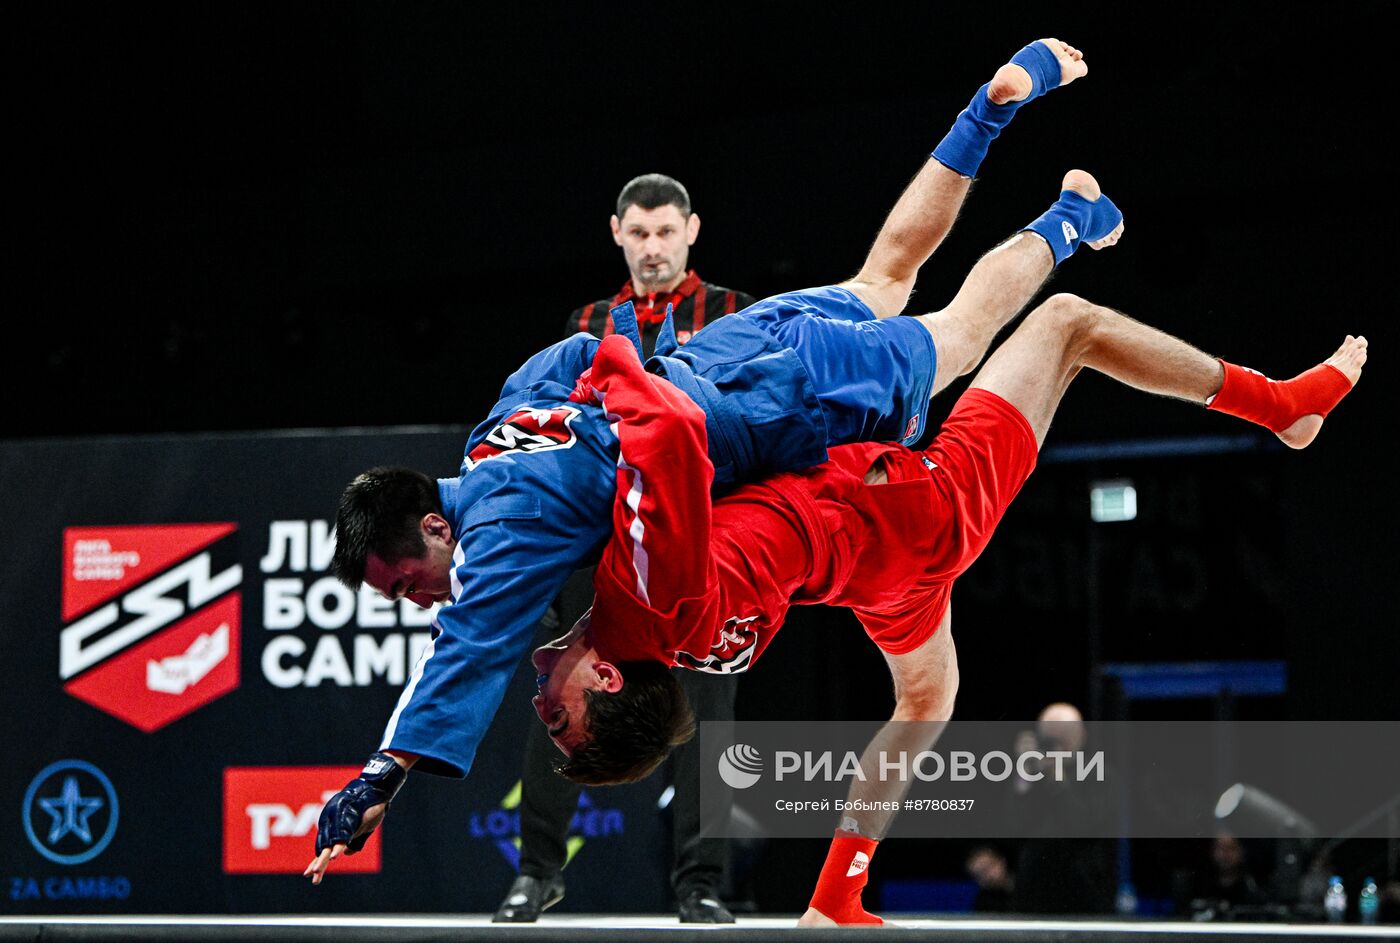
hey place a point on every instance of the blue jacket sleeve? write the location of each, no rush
(561, 363)
(526, 519)
(507, 571)
(547, 376)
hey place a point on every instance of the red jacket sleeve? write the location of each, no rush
(656, 584)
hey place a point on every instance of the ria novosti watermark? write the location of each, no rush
(741, 766)
(1085, 780)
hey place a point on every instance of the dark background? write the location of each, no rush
(239, 217)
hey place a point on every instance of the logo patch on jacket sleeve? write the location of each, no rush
(730, 655)
(527, 430)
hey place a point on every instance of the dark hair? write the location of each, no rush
(632, 731)
(652, 190)
(379, 513)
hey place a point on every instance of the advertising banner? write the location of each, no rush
(186, 683)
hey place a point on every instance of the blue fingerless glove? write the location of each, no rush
(380, 781)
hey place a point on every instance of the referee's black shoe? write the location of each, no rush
(703, 905)
(529, 897)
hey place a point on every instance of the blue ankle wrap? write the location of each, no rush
(1072, 220)
(965, 145)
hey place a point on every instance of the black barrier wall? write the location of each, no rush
(185, 683)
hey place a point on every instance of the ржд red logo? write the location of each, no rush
(270, 815)
(153, 631)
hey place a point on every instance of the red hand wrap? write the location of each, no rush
(1277, 404)
(843, 878)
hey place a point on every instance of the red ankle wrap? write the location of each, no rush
(843, 878)
(1277, 404)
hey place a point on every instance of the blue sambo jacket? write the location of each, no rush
(533, 499)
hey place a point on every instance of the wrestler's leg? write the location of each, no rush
(930, 204)
(873, 378)
(1036, 364)
(996, 289)
(925, 686)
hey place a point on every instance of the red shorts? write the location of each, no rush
(982, 456)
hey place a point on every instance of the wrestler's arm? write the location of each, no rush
(460, 679)
(331, 848)
(926, 684)
(657, 578)
(925, 687)
(926, 679)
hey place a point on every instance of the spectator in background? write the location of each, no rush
(655, 227)
(995, 883)
(1390, 902)
(1313, 885)
(1059, 875)
(1224, 884)
(1230, 881)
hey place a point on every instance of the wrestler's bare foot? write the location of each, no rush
(815, 918)
(1083, 183)
(1013, 83)
(1349, 359)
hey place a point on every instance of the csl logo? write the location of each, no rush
(153, 630)
(527, 430)
(270, 816)
(70, 812)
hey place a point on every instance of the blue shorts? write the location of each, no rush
(873, 378)
(795, 373)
